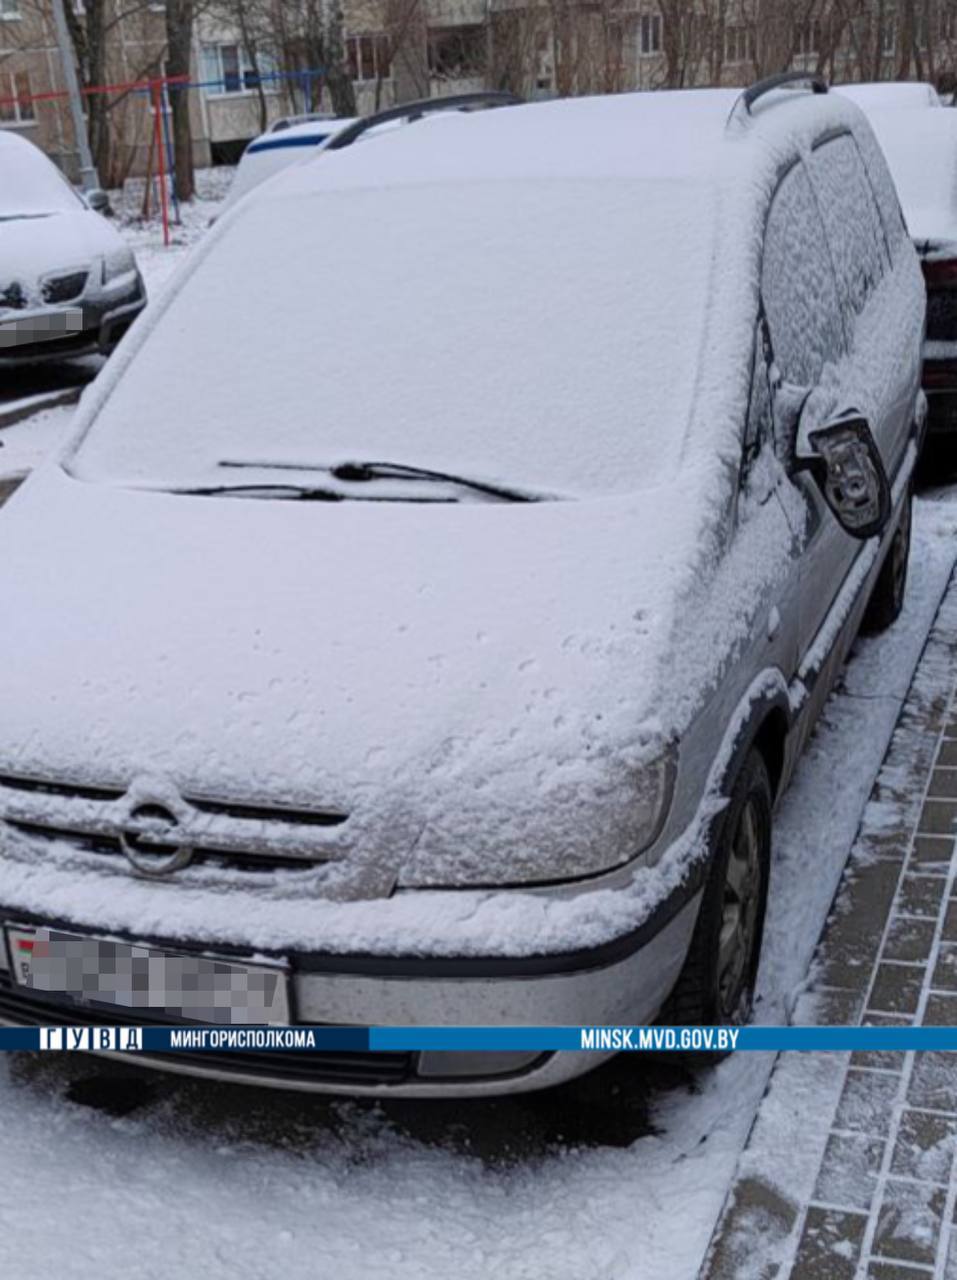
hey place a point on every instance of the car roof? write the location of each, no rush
(306, 134)
(688, 134)
(921, 152)
(13, 143)
(891, 93)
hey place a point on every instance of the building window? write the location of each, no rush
(889, 33)
(368, 58)
(457, 52)
(228, 68)
(738, 44)
(9, 11)
(650, 34)
(16, 106)
(808, 38)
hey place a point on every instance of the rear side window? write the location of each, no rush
(852, 221)
(797, 283)
(882, 184)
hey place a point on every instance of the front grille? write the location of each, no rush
(12, 296)
(24, 1007)
(942, 315)
(238, 834)
(64, 288)
(70, 789)
(225, 859)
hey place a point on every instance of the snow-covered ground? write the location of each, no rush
(618, 1177)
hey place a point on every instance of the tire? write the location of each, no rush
(887, 598)
(716, 985)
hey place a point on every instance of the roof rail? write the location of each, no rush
(423, 107)
(783, 80)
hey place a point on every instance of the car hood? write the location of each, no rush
(32, 247)
(392, 661)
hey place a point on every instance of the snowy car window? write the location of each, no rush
(798, 285)
(851, 219)
(883, 187)
(31, 186)
(510, 331)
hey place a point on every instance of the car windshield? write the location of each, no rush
(538, 335)
(31, 187)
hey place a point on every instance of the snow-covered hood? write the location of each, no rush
(440, 667)
(31, 248)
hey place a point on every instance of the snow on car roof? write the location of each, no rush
(30, 184)
(921, 152)
(669, 135)
(910, 94)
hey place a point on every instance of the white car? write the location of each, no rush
(435, 651)
(69, 284)
(921, 150)
(899, 94)
(277, 149)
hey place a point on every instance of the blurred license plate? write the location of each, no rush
(98, 971)
(45, 326)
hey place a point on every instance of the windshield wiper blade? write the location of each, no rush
(304, 493)
(289, 493)
(356, 472)
(361, 472)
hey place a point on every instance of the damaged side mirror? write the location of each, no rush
(845, 462)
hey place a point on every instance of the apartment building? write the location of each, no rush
(256, 60)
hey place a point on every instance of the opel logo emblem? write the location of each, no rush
(152, 841)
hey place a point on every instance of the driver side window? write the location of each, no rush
(798, 287)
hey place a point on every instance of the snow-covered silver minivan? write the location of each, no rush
(436, 652)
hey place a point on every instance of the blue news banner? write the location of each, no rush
(304, 1039)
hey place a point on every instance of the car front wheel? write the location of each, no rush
(716, 986)
(887, 598)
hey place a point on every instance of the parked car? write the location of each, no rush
(921, 150)
(69, 284)
(448, 671)
(277, 149)
(897, 94)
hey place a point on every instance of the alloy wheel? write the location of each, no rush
(740, 907)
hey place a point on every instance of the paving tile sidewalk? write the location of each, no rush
(849, 1172)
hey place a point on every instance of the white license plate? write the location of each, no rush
(129, 975)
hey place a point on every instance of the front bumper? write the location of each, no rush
(105, 319)
(625, 981)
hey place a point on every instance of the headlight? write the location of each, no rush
(119, 262)
(578, 819)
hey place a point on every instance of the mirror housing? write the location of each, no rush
(787, 405)
(846, 463)
(98, 201)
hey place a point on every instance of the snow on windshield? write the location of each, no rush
(542, 334)
(30, 184)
